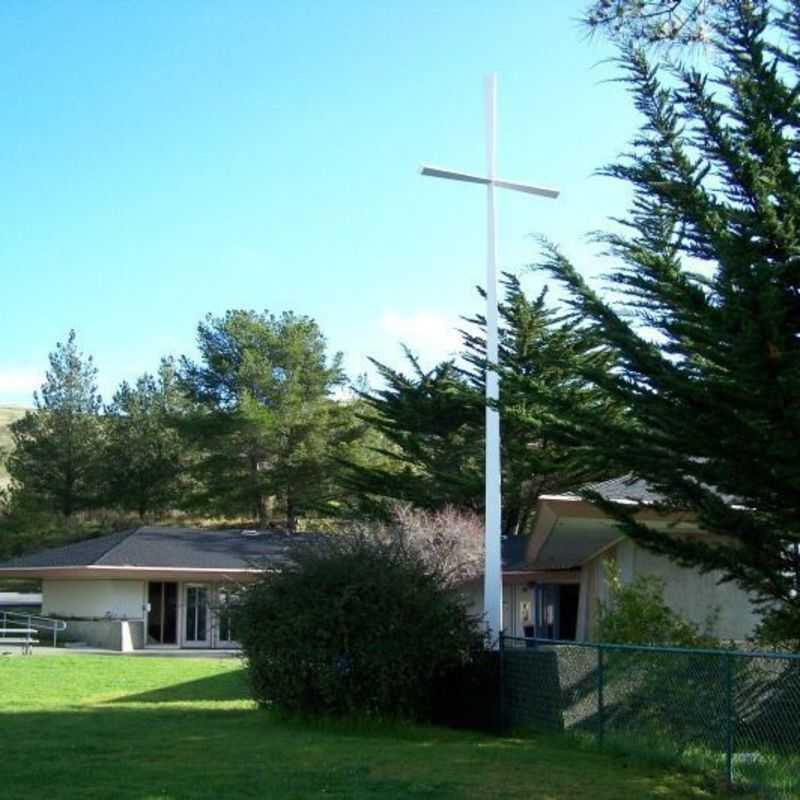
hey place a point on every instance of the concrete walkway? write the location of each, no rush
(38, 650)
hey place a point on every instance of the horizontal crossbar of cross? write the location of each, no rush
(438, 172)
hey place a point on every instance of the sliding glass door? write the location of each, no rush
(225, 633)
(195, 627)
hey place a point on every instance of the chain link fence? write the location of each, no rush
(736, 713)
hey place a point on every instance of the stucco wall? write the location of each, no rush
(685, 590)
(121, 635)
(118, 599)
(593, 590)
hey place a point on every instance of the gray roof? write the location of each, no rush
(514, 553)
(195, 548)
(625, 487)
(186, 548)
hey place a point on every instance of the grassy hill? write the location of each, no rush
(8, 414)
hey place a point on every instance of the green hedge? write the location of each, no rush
(358, 626)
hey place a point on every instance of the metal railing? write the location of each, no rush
(728, 711)
(15, 622)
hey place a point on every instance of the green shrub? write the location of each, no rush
(676, 697)
(358, 625)
(636, 613)
(778, 631)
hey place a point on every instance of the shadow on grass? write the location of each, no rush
(232, 687)
(158, 751)
(225, 686)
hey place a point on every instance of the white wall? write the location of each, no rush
(694, 595)
(513, 597)
(118, 599)
(686, 591)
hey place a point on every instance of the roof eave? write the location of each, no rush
(106, 571)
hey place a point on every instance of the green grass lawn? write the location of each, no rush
(79, 726)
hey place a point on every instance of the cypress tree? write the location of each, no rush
(704, 315)
(428, 449)
(433, 422)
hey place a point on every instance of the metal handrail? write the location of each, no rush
(24, 636)
(34, 622)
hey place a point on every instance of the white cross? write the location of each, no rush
(492, 577)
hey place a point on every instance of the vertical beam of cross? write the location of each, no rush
(492, 576)
(493, 567)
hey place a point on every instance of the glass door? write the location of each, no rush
(162, 613)
(546, 608)
(195, 620)
(226, 637)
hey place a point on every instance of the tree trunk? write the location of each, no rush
(68, 498)
(265, 510)
(291, 513)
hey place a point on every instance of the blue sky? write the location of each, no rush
(164, 160)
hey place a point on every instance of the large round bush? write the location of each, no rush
(355, 626)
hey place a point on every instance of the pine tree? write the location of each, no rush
(55, 462)
(264, 420)
(706, 322)
(144, 455)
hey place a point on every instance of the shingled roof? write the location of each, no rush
(625, 487)
(181, 548)
(631, 489)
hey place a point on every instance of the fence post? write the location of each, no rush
(501, 723)
(601, 705)
(730, 719)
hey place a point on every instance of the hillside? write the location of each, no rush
(8, 414)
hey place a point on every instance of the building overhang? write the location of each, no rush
(150, 573)
(525, 577)
(542, 576)
(570, 531)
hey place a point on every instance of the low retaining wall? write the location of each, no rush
(108, 634)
